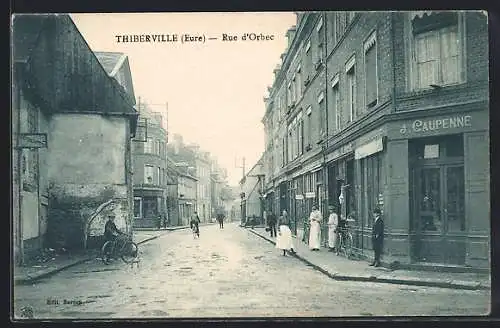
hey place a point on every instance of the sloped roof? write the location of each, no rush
(111, 61)
(25, 31)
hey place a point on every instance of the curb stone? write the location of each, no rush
(397, 281)
(29, 279)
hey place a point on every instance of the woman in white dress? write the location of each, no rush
(333, 222)
(284, 239)
(315, 231)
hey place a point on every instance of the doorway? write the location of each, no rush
(438, 202)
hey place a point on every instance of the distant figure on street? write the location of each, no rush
(333, 222)
(272, 221)
(315, 231)
(220, 219)
(284, 239)
(377, 236)
(195, 223)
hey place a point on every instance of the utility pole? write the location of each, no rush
(242, 166)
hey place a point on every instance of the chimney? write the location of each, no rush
(158, 117)
(276, 70)
(290, 34)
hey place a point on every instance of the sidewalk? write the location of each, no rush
(29, 274)
(340, 268)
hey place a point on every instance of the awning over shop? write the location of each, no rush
(370, 148)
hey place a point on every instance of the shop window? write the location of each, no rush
(371, 187)
(150, 207)
(137, 207)
(454, 146)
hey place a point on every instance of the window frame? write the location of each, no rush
(148, 167)
(140, 208)
(411, 57)
(350, 66)
(371, 43)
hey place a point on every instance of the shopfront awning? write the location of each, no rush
(369, 148)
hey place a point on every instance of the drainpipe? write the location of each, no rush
(393, 33)
(325, 144)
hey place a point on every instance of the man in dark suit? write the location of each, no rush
(272, 221)
(377, 236)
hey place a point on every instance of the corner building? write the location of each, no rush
(386, 109)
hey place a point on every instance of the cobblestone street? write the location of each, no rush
(226, 273)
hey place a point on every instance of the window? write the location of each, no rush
(371, 184)
(332, 28)
(438, 47)
(294, 90)
(371, 81)
(322, 115)
(148, 174)
(158, 176)
(300, 134)
(319, 46)
(340, 24)
(137, 207)
(334, 111)
(157, 147)
(148, 146)
(298, 82)
(309, 60)
(283, 158)
(308, 127)
(351, 90)
(350, 17)
(150, 207)
(289, 95)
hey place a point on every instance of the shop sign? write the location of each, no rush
(426, 125)
(339, 152)
(368, 149)
(431, 151)
(310, 194)
(299, 197)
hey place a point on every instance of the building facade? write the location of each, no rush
(187, 192)
(389, 110)
(66, 110)
(252, 186)
(200, 160)
(150, 170)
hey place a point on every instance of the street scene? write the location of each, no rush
(239, 165)
(227, 273)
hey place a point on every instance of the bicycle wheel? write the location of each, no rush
(129, 252)
(348, 245)
(106, 251)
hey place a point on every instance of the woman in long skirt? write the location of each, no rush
(284, 239)
(333, 222)
(315, 231)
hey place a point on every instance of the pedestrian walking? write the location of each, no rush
(284, 239)
(315, 229)
(333, 222)
(195, 223)
(220, 219)
(271, 221)
(377, 236)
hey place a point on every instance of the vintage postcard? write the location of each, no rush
(250, 164)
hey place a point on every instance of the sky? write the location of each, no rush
(215, 89)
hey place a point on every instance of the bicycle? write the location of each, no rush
(196, 231)
(122, 247)
(345, 241)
